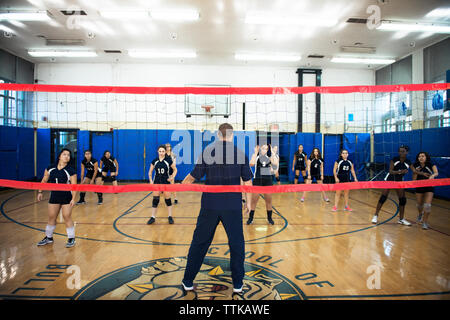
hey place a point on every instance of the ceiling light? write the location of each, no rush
(125, 15)
(271, 19)
(65, 54)
(413, 27)
(6, 29)
(265, 57)
(362, 60)
(439, 13)
(175, 15)
(161, 54)
(25, 16)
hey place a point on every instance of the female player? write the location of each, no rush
(263, 176)
(342, 169)
(299, 164)
(424, 169)
(398, 167)
(109, 163)
(315, 171)
(91, 166)
(161, 165)
(60, 200)
(275, 151)
(172, 155)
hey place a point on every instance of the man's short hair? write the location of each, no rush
(225, 130)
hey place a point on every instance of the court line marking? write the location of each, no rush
(380, 295)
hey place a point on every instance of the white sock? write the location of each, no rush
(70, 232)
(49, 231)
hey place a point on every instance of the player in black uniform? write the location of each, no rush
(91, 166)
(314, 166)
(342, 169)
(169, 153)
(424, 169)
(162, 166)
(398, 167)
(265, 167)
(299, 164)
(109, 164)
(275, 153)
(60, 200)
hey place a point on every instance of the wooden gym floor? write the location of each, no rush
(310, 252)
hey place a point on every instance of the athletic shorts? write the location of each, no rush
(60, 197)
(110, 169)
(170, 171)
(263, 181)
(425, 189)
(161, 181)
(317, 177)
(394, 177)
(89, 174)
(300, 168)
(343, 178)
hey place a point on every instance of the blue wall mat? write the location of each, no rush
(130, 154)
(443, 166)
(151, 152)
(436, 141)
(101, 142)
(43, 151)
(332, 146)
(358, 146)
(25, 153)
(82, 146)
(8, 153)
(182, 142)
(292, 149)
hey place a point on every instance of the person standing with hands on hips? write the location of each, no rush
(222, 164)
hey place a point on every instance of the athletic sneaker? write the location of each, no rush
(151, 220)
(302, 199)
(270, 221)
(334, 209)
(347, 208)
(419, 218)
(250, 221)
(45, 241)
(176, 201)
(81, 202)
(375, 219)
(404, 222)
(237, 290)
(188, 287)
(170, 220)
(70, 243)
(100, 201)
(425, 226)
(326, 200)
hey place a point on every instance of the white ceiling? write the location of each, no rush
(221, 32)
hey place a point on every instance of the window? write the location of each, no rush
(12, 107)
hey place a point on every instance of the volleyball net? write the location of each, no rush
(370, 122)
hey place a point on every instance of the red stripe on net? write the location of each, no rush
(215, 189)
(222, 90)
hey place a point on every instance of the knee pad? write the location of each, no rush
(383, 199)
(427, 207)
(112, 179)
(296, 177)
(305, 178)
(168, 202)
(402, 201)
(104, 179)
(155, 202)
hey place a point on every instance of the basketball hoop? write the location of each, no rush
(208, 110)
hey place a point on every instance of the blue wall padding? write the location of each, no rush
(150, 143)
(82, 146)
(43, 151)
(309, 141)
(25, 153)
(436, 141)
(332, 147)
(443, 166)
(8, 153)
(101, 143)
(129, 151)
(358, 146)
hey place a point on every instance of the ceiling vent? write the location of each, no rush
(357, 20)
(112, 51)
(73, 12)
(64, 42)
(358, 49)
(316, 56)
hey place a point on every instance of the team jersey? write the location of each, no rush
(315, 167)
(344, 167)
(263, 167)
(398, 165)
(427, 168)
(60, 176)
(301, 158)
(89, 165)
(162, 168)
(108, 163)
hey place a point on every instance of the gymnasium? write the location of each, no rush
(109, 107)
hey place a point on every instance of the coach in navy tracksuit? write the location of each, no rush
(223, 164)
